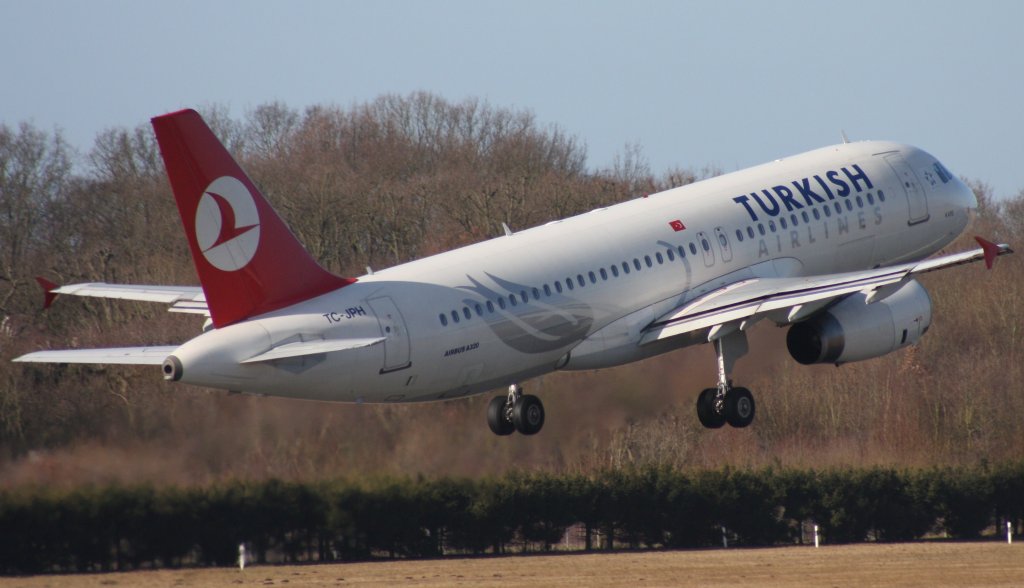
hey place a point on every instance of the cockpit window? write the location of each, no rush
(944, 174)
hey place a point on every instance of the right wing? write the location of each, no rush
(189, 299)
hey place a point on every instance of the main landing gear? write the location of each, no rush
(725, 404)
(515, 412)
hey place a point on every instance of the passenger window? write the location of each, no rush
(604, 274)
(828, 211)
(704, 243)
(782, 222)
(625, 268)
(871, 199)
(860, 202)
(792, 220)
(807, 219)
(693, 249)
(568, 282)
(580, 280)
(647, 260)
(760, 229)
(547, 290)
(479, 309)
(682, 252)
(536, 294)
(523, 296)
(671, 256)
(817, 216)
(455, 316)
(593, 277)
(849, 206)
(636, 264)
(558, 287)
(750, 232)
(490, 306)
(466, 313)
(771, 226)
(444, 319)
(660, 259)
(501, 303)
(739, 235)
(615, 271)
(881, 196)
(512, 299)
(839, 208)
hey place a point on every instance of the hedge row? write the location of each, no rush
(132, 527)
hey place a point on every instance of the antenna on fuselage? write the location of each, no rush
(846, 140)
(508, 231)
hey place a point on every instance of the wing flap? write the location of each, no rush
(114, 355)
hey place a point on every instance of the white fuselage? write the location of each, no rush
(576, 293)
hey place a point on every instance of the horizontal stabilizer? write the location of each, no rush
(113, 355)
(165, 294)
(300, 348)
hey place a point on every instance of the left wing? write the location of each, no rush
(188, 299)
(785, 300)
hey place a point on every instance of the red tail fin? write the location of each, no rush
(248, 261)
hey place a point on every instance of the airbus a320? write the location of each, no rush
(828, 242)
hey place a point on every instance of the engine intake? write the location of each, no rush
(853, 330)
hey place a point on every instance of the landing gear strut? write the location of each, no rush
(515, 412)
(725, 404)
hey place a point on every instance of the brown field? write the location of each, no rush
(908, 564)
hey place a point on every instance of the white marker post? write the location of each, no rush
(817, 538)
(1009, 533)
(241, 556)
(725, 540)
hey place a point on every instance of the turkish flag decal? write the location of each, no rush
(677, 225)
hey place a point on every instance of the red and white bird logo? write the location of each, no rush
(227, 224)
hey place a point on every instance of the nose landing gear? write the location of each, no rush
(515, 412)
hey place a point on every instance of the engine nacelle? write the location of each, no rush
(854, 330)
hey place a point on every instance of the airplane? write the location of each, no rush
(829, 243)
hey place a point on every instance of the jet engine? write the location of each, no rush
(855, 330)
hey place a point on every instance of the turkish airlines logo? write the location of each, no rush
(227, 224)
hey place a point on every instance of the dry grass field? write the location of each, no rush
(910, 564)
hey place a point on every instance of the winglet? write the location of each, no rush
(990, 249)
(48, 291)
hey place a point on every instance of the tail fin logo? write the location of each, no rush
(227, 224)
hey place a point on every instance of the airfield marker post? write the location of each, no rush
(725, 539)
(241, 556)
(817, 537)
(1009, 533)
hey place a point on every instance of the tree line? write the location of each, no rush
(132, 527)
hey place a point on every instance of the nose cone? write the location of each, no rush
(966, 200)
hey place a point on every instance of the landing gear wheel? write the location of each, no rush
(739, 407)
(497, 418)
(706, 412)
(528, 414)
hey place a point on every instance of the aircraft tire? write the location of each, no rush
(496, 417)
(528, 415)
(739, 407)
(706, 410)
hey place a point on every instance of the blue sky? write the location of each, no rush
(730, 84)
